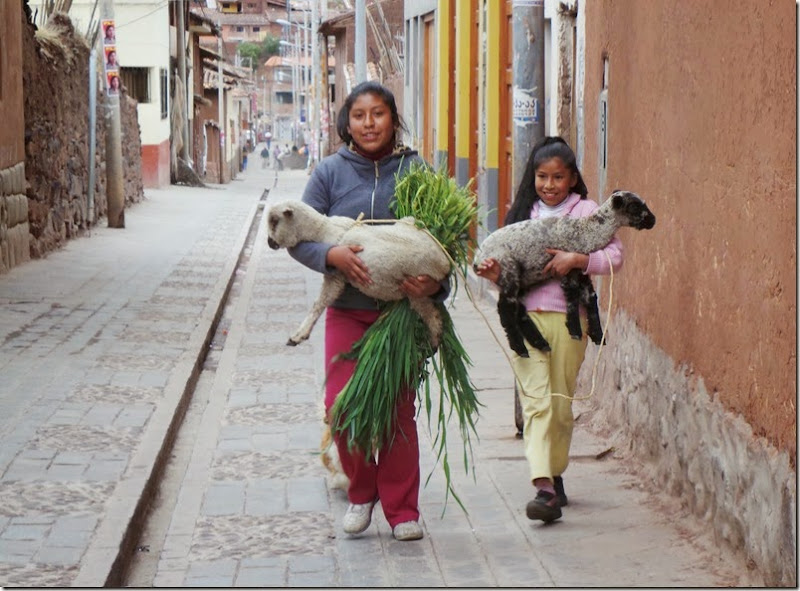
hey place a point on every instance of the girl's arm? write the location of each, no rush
(598, 263)
(594, 263)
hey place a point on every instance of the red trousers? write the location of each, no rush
(393, 477)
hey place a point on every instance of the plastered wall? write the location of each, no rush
(699, 377)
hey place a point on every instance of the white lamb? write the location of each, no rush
(521, 250)
(391, 251)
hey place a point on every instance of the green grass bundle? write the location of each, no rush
(396, 353)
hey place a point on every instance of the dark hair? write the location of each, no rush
(369, 87)
(545, 149)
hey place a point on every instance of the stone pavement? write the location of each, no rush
(102, 355)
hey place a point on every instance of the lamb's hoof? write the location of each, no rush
(292, 343)
(597, 339)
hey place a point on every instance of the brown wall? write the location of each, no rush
(702, 123)
(12, 149)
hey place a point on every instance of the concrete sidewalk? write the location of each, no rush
(100, 347)
(98, 343)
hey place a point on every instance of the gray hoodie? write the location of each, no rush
(348, 184)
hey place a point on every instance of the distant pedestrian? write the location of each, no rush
(264, 157)
(268, 139)
(551, 186)
(244, 159)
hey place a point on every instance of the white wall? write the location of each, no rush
(142, 41)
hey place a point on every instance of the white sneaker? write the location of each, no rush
(358, 517)
(407, 531)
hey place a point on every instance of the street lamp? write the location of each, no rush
(295, 94)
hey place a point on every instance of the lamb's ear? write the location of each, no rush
(288, 213)
(617, 200)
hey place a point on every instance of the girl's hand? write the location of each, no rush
(345, 259)
(421, 286)
(563, 262)
(489, 269)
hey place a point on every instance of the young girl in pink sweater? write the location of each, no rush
(552, 186)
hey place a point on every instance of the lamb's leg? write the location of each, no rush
(529, 329)
(429, 313)
(573, 286)
(507, 310)
(589, 301)
(332, 288)
(578, 288)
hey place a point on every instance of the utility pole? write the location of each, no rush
(115, 190)
(314, 154)
(361, 42)
(220, 105)
(528, 72)
(181, 39)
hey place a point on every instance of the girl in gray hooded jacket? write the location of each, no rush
(360, 179)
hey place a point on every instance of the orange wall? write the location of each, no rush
(702, 123)
(155, 165)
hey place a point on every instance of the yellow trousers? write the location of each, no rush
(548, 420)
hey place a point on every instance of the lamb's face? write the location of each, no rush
(281, 227)
(633, 212)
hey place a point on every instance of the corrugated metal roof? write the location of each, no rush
(277, 61)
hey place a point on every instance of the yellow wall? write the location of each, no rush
(443, 76)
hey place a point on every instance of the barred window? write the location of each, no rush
(137, 83)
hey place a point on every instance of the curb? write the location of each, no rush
(107, 558)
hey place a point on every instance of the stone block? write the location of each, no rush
(224, 499)
(18, 551)
(25, 532)
(60, 556)
(17, 178)
(261, 577)
(307, 494)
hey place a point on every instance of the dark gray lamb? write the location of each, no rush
(521, 251)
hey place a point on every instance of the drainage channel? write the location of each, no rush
(142, 566)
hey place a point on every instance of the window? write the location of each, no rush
(256, 29)
(239, 29)
(137, 83)
(164, 93)
(283, 98)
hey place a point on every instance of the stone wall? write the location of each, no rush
(14, 229)
(663, 418)
(56, 97)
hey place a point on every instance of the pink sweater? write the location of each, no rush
(548, 296)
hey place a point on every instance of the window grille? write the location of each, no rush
(137, 83)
